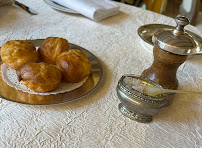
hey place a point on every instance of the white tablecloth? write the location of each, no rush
(95, 121)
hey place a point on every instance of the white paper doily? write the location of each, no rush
(9, 75)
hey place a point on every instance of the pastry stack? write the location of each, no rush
(42, 70)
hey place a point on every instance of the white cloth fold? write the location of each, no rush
(93, 9)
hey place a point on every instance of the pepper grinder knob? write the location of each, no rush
(181, 21)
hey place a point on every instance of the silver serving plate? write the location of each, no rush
(59, 7)
(89, 86)
(137, 105)
(147, 31)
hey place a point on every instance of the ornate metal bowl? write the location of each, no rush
(137, 105)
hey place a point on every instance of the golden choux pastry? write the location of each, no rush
(74, 65)
(40, 77)
(17, 52)
(51, 48)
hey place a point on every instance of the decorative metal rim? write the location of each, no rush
(129, 91)
(134, 116)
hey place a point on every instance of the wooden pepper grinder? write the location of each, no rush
(171, 48)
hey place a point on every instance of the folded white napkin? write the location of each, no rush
(93, 9)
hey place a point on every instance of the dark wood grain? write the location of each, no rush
(164, 67)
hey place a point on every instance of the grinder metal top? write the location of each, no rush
(176, 41)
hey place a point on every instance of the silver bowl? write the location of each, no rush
(137, 105)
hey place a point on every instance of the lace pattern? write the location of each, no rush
(9, 75)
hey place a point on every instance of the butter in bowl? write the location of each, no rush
(137, 101)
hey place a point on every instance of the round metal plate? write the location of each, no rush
(146, 32)
(90, 85)
(59, 7)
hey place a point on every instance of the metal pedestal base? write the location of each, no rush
(133, 115)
